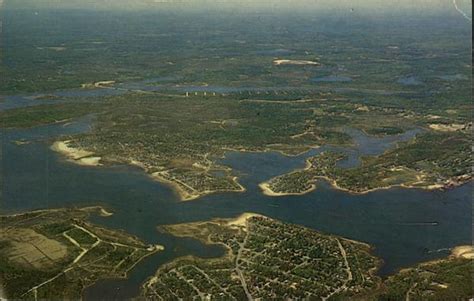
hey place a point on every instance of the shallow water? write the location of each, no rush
(405, 226)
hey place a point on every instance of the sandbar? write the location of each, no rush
(295, 62)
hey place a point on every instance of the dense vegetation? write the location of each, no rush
(437, 160)
(178, 138)
(382, 76)
(223, 49)
(190, 87)
(44, 114)
(266, 259)
(449, 279)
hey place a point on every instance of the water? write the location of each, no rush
(405, 226)
(167, 84)
(363, 145)
(29, 100)
(141, 204)
(81, 94)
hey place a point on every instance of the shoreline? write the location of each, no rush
(269, 150)
(76, 155)
(266, 190)
(241, 220)
(98, 209)
(87, 158)
(185, 196)
(264, 186)
(465, 252)
(82, 216)
(282, 62)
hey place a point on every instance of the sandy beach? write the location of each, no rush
(75, 155)
(295, 62)
(184, 195)
(241, 220)
(466, 252)
(265, 187)
(447, 127)
(105, 213)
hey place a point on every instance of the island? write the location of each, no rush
(56, 253)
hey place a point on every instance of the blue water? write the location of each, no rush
(405, 226)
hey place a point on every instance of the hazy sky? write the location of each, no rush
(369, 6)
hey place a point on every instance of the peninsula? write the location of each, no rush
(56, 253)
(264, 259)
(268, 259)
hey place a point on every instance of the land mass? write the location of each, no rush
(445, 279)
(434, 160)
(264, 259)
(75, 155)
(179, 140)
(55, 254)
(268, 259)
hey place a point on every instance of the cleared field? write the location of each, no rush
(31, 249)
(55, 254)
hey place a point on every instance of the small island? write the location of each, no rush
(55, 254)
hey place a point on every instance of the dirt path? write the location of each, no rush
(237, 266)
(348, 269)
